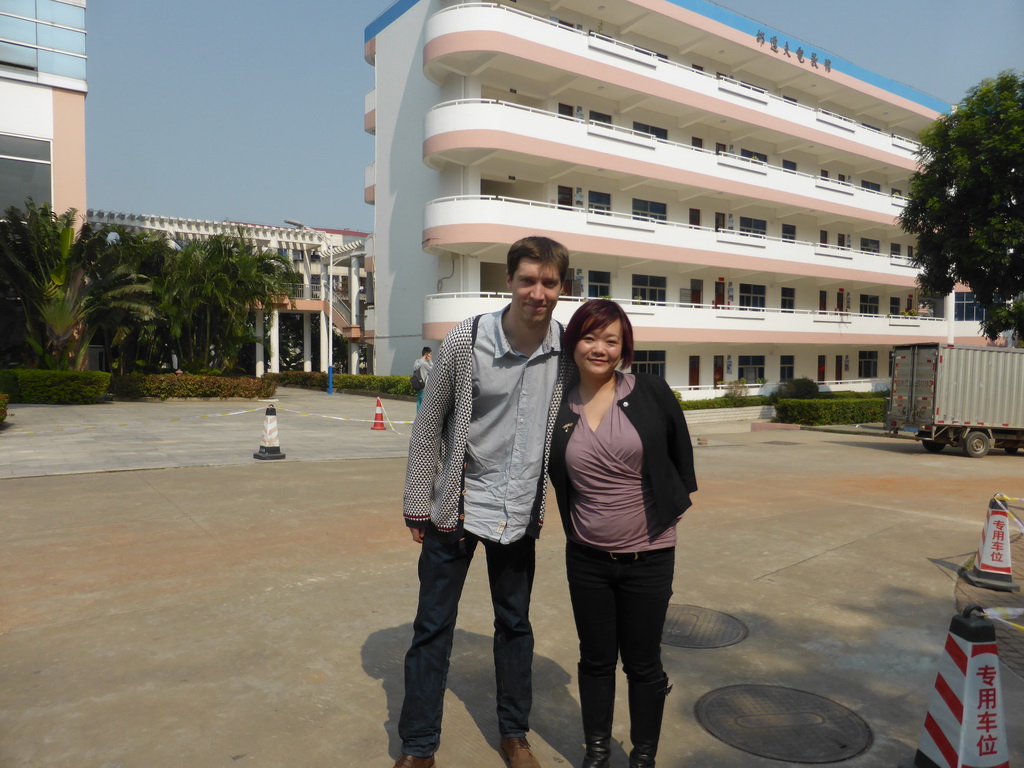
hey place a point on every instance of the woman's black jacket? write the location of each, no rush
(654, 412)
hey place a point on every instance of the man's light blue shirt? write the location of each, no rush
(505, 455)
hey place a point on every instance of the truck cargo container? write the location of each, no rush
(968, 397)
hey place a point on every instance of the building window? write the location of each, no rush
(564, 197)
(870, 185)
(823, 236)
(24, 171)
(896, 192)
(753, 226)
(600, 117)
(599, 201)
(719, 221)
(895, 249)
(894, 305)
(697, 142)
(751, 368)
(599, 284)
(651, 130)
(695, 217)
(720, 148)
(787, 367)
(761, 157)
(841, 240)
(649, 361)
(870, 246)
(966, 308)
(789, 165)
(565, 110)
(649, 210)
(789, 232)
(868, 304)
(788, 299)
(752, 295)
(649, 288)
(867, 365)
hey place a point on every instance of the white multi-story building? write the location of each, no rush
(737, 189)
(331, 263)
(42, 103)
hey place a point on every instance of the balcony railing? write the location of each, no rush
(640, 138)
(654, 59)
(560, 216)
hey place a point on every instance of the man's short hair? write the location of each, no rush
(542, 249)
(426, 350)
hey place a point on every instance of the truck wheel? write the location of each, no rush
(976, 444)
(931, 446)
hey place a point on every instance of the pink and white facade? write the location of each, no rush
(735, 188)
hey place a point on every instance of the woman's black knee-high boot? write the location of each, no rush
(597, 703)
(646, 709)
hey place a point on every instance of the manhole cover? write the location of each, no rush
(783, 723)
(688, 626)
(779, 442)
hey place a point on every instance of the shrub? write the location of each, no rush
(723, 402)
(9, 386)
(304, 379)
(832, 411)
(385, 385)
(801, 388)
(3, 408)
(63, 387)
(168, 385)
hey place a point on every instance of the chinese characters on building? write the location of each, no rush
(773, 44)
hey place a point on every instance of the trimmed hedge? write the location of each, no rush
(60, 387)
(385, 385)
(169, 385)
(3, 408)
(833, 411)
(723, 402)
(9, 385)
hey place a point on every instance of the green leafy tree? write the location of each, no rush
(70, 282)
(208, 291)
(966, 203)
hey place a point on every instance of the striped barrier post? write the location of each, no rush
(965, 724)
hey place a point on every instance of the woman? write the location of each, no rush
(622, 469)
(425, 365)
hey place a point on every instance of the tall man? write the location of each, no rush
(477, 477)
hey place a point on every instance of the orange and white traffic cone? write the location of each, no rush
(965, 726)
(991, 567)
(270, 444)
(378, 418)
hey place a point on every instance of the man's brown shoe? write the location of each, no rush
(409, 761)
(518, 753)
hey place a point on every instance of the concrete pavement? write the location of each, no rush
(232, 612)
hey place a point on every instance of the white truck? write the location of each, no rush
(969, 397)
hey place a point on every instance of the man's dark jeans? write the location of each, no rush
(619, 607)
(443, 566)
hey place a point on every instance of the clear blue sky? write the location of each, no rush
(252, 110)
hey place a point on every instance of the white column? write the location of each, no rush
(307, 335)
(950, 312)
(323, 341)
(275, 341)
(259, 344)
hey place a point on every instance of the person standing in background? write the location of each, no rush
(424, 364)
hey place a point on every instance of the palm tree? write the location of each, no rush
(71, 282)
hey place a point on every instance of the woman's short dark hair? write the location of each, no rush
(596, 315)
(542, 249)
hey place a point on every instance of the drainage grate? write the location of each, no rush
(783, 723)
(689, 626)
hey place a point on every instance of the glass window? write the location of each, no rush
(787, 367)
(18, 30)
(870, 185)
(18, 56)
(564, 197)
(967, 308)
(789, 231)
(869, 245)
(652, 130)
(751, 368)
(753, 226)
(19, 7)
(867, 365)
(895, 249)
(868, 304)
(894, 305)
(600, 117)
(566, 110)
(61, 13)
(697, 142)
(599, 284)
(695, 217)
(650, 288)
(751, 155)
(62, 39)
(649, 210)
(649, 361)
(600, 201)
(752, 295)
(26, 149)
(62, 64)
(789, 165)
(788, 299)
(20, 180)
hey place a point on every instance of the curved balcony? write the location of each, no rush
(466, 224)
(469, 131)
(690, 323)
(470, 37)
